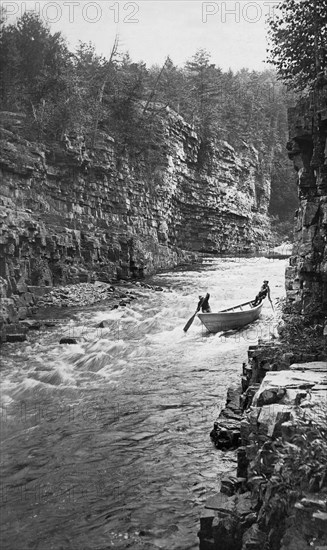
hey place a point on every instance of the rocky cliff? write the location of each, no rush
(74, 213)
(277, 498)
(306, 278)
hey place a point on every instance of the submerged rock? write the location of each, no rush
(67, 340)
(17, 337)
(31, 325)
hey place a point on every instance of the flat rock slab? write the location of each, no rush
(238, 505)
(294, 379)
(304, 376)
(217, 502)
(315, 366)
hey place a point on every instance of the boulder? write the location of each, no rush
(16, 337)
(232, 484)
(254, 538)
(31, 325)
(67, 340)
(271, 418)
(270, 396)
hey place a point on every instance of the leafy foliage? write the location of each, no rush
(302, 331)
(34, 69)
(300, 468)
(298, 41)
(83, 92)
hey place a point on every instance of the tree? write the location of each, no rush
(109, 74)
(204, 90)
(124, 102)
(34, 55)
(298, 41)
(171, 86)
(34, 70)
(87, 93)
(10, 82)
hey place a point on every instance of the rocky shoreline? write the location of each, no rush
(276, 419)
(42, 299)
(277, 499)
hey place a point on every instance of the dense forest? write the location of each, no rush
(62, 91)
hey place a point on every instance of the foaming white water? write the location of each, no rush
(152, 328)
(123, 415)
(100, 355)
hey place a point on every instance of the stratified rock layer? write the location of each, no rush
(70, 215)
(306, 277)
(277, 498)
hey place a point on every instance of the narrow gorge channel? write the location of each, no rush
(106, 442)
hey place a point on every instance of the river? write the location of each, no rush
(105, 443)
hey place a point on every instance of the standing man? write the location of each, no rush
(262, 294)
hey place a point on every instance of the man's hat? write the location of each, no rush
(266, 281)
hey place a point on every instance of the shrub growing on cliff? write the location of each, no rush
(301, 332)
(299, 469)
(303, 460)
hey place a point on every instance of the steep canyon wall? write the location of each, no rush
(306, 277)
(70, 214)
(277, 498)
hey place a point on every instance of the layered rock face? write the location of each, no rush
(306, 278)
(276, 499)
(71, 213)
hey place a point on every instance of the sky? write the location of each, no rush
(234, 32)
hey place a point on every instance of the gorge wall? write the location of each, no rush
(277, 498)
(71, 213)
(306, 277)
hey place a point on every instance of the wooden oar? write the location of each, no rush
(189, 322)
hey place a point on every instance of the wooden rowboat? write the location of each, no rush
(232, 318)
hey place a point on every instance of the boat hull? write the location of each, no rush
(229, 320)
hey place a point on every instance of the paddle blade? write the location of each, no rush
(189, 322)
